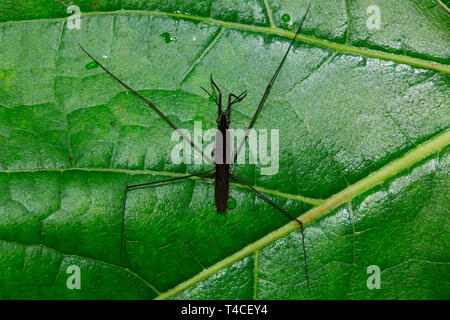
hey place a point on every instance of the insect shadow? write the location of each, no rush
(223, 155)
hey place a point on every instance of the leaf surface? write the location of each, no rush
(363, 123)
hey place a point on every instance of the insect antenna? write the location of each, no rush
(210, 95)
(219, 103)
(140, 96)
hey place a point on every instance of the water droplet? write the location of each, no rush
(91, 65)
(167, 38)
(105, 57)
(285, 17)
(231, 203)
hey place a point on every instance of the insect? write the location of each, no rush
(223, 154)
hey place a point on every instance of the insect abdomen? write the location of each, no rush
(222, 185)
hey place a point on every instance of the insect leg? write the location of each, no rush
(262, 196)
(140, 96)
(236, 99)
(143, 185)
(266, 92)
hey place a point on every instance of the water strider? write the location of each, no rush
(223, 155)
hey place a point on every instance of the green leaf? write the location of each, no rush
(363, 123)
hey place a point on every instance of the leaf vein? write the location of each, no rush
(431, 146)
(416, 62)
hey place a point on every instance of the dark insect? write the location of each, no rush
(222, 163)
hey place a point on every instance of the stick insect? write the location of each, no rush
(223, 154)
